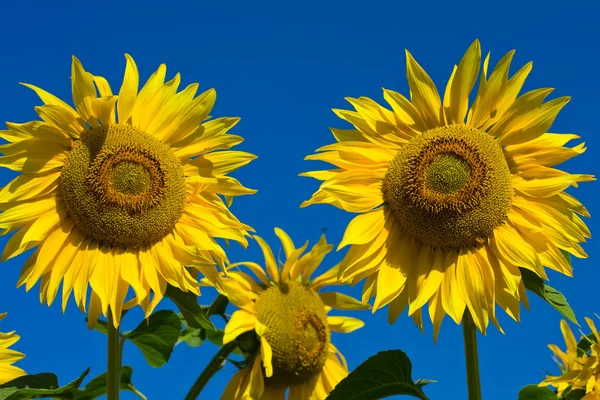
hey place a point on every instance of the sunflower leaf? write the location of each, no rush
(97, 386)
(157, 336)
(552, 296)
(39, 386)
(385, 374)
(534, 392)
(576, 394)
(193, 337)
(187, 302)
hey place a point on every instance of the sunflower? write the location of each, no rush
(449, 210)
(578, 371)
(8, 357)
(290, 317)
(120, 192)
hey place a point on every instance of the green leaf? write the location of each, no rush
(191, 336)
(552, 296)
(187, 303)
(576, 394)
(422, 382)
(586, 343)
(534, 392)
(39, 386)
(157, 336)
(385, 374)
(97, 386)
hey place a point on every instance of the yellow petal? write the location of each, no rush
(286, 242)
(485, 105)
(270, 263)
(397, 306)
(462, 83)
(344, 324)
(128, 91)
(84, 91)
(49, 98)
(452, 300)
(365, 227)
(406, 111)
(148, 92)
(530, 124)
(341, 301)
(423, 92)
(507, 99)
(511, 247)
(241, 321)
(426, 278)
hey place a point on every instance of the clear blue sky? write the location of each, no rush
(281, 68)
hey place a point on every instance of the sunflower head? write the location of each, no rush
(8, 357)
(123, 191)
(297, 331)
(122, 187)
(283, 305)
(453, 198)
(450, 187)
(580, 369)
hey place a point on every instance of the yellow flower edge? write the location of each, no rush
(283, 307)
(453, 199)
(8, 357)
(578, 372)
(123, 191)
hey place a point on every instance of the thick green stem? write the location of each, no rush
(213, 366)
(470, 335)
(114, 360)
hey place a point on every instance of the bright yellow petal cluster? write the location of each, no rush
(8, 357)
(400, 269)
(578, 372)
(38, 210)
(243, 290)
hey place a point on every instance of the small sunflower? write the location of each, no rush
(578, 372)
(453, 199)
(122, 191)
(290, 317)
(8, 357)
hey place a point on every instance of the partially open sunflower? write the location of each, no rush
(122, 191)
(580, 370)
(453, 199)
(8, 357)
(288, 314)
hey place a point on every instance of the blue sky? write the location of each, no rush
(281, 68)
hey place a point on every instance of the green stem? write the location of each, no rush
(114, 360)
(472, 360)
(213, 366)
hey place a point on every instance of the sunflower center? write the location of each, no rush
(297, 331)
(447, 173)
(130, 178)
(123, 187)
(449, 187)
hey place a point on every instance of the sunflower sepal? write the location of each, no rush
(39, 385)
